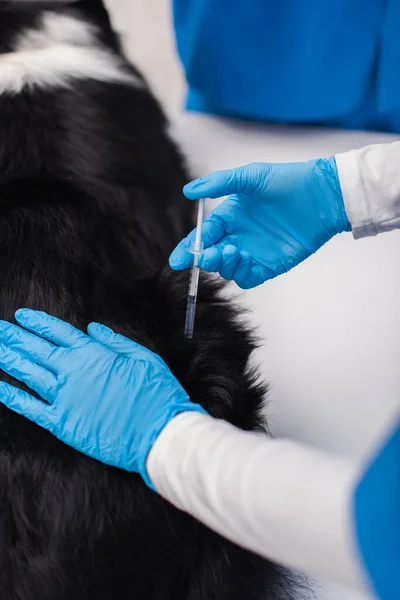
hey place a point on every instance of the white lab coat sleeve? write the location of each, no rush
(282, 500)
(370, 182)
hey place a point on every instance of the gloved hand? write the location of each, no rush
(277, 216)
(107, 396)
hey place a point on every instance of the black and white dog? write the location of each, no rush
(90, 208)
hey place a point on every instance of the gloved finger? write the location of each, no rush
(115, 341)
(213, 230)
(211, 259)
(247, 178)
(37, 349)
(243, 272)
(229, 262)
(39, 379)
(26, 405)
(52, 329)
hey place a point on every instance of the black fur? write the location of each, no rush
(90, 208)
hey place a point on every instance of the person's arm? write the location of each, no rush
(370, 183)
(290, 504)
(280, 499)
(278, 214)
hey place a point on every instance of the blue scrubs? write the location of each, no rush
(377, 519)
(306, 62)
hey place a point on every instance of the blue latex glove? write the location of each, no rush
(277, 216)
(107, 396)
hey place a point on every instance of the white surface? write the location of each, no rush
(331, 326)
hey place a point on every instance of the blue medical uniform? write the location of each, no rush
(377, 519)
(295, 61)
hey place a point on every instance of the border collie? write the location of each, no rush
(90, 208)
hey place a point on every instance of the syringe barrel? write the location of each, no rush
(197, 247)
(190, 315)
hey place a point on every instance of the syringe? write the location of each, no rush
(194, 275)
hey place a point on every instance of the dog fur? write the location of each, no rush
(90, 208)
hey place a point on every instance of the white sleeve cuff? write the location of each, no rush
(370, 183)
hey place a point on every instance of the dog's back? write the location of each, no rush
(90, 207)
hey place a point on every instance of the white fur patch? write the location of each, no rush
(63, 49)
(57, 29)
